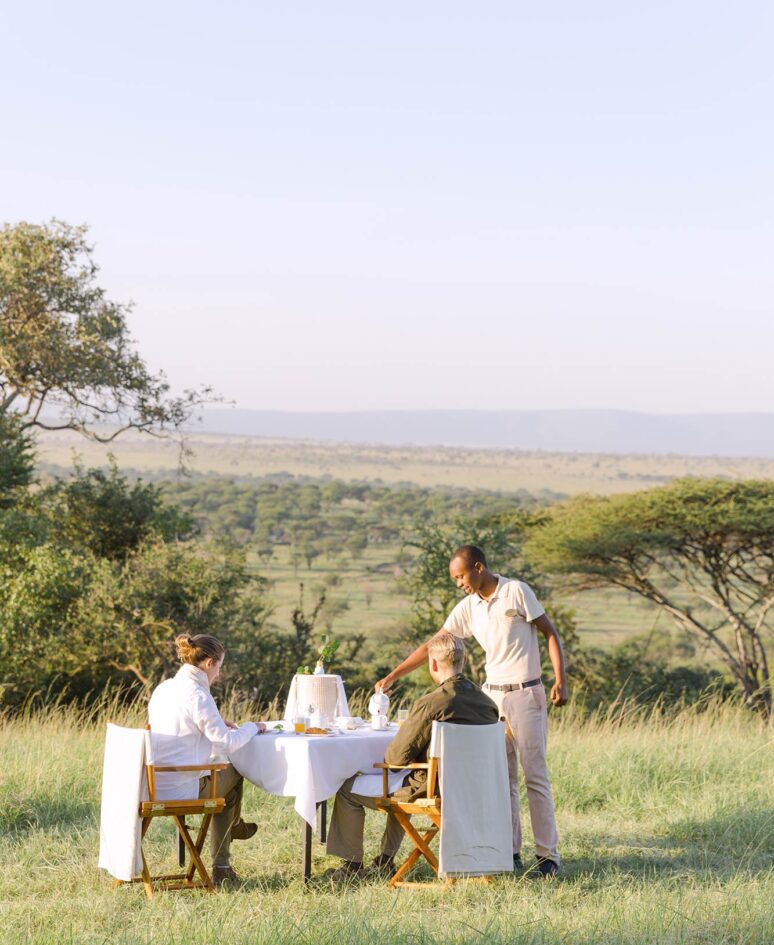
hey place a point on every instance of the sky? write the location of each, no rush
(350, 205)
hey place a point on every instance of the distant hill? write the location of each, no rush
(586, 431)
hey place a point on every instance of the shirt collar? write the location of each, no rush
(189, 671)
(500, 582)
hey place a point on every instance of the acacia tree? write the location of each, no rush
(67, 361)
(702, 550)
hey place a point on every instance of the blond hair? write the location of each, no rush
(197, 649)
(448, 649)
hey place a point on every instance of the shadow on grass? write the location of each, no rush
(21, 816)
(721, 847)
(736, 841)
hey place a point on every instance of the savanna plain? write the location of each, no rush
(666, 824)
(666, 818)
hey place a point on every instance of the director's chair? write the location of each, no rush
(469, 764)
(177, 809)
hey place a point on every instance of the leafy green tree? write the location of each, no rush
(135, 607)
(39, 601)
(17, 458)
(104, 512)
(701, 550)
(66, 358)
(641, 669)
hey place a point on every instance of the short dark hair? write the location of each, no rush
(470, 554)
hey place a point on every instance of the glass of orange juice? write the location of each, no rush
(299, 724)
(402, 716)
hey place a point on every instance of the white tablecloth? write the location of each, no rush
(307, 767)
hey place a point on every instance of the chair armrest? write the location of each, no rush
(424, 765)
(218, 767)
(430, 766)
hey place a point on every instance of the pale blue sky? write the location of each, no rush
(324, 205)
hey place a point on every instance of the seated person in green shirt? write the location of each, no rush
(457, 700)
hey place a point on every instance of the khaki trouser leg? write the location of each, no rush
(229, 785)
(525, 712)
(345, 833)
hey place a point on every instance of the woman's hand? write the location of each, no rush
(231, 724)
(261, 727)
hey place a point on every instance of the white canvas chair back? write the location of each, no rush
(124, 786)
(476, 837)
(171, 750)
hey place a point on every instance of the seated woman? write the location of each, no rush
(183, 706)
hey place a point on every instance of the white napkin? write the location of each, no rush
(372, 785)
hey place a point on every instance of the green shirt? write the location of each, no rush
(456, 700)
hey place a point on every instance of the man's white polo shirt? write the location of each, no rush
(503, 626)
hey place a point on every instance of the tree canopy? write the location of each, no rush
(702, 550)
(67, 360)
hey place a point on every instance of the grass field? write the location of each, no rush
(667, 835)
(507, 470)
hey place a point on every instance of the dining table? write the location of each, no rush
(310, 768)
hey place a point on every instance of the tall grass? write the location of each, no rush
(666, 822)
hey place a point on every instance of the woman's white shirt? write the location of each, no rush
(183, 707)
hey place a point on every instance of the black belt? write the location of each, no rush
(509, 687)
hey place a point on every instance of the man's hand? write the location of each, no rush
(559, 693)
(384, 685)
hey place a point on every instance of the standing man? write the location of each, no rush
(504, 616)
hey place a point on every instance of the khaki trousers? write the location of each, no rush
(229, 785)
(345, 834)
(524, 711)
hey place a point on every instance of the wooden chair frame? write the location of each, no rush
(177, 810)
(427, 806)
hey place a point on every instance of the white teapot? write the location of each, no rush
(378, 706)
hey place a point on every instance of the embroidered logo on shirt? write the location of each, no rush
(511, 612)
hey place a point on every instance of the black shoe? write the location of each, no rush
(224, 875)
(544, 869)
(518, 866)
(383, 867)
(348, 871)
(243, 830)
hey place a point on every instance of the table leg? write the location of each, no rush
(323, 805)
(306, 852)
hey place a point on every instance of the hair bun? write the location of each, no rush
(197, 648)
